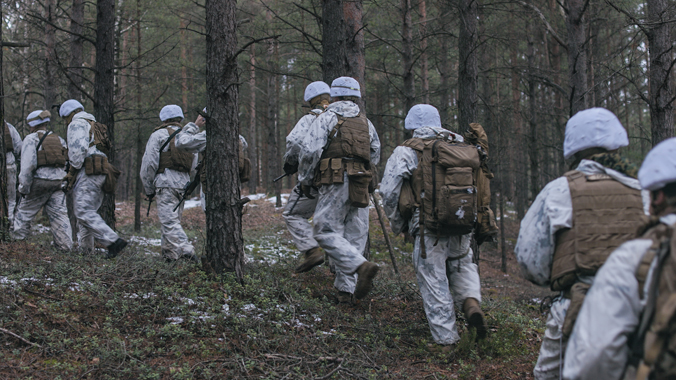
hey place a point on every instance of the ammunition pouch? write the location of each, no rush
(577, 293)
(331, 171)
(99, 165)
(358, 180)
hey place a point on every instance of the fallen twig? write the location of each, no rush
(340, 366)
(20, 338)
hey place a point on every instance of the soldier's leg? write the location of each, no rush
(462, 273)
(434, 289)
(357, 233)
(11, 192)
(296, 214)
(28, 208)
(550, 361)
(88, 197)
(175, 242)
(58, 219)
(329, 228)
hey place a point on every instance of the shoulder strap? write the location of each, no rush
(169, 139)
(42, 140)
(414, 143)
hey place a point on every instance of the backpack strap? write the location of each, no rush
(42, 140)
(169, 139)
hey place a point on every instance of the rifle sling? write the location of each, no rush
(169, 139)
(42, 140)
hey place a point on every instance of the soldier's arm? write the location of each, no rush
(78, 142)
(191, 139)
(375, 144)
(312, 145)
(29, 162)
(551, 211)
(294, 138)
(151, 161)
(399, 167)
(16, 140)
(598, 346)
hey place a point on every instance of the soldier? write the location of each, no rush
(576, 221)
(165, 170)
(299, 209)
(626, 324)
(446, 273)
(87, 177)
(192, 140)
(12, 149)
(43, 161)
(342, 146)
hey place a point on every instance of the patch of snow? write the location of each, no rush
(255, 197)
(192, 203)
(285, 199)
(175, 320)
(140, 240)
(40, 229)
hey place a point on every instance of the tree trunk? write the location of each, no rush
(533, 141)
(424, 79)
(104, 88)
(184, 69)
(76, 47)
(407, 55)
(577, 56)
(660, 91)
(4, 219)
(468, 74)
(50, 55)
(343, 41)
(224, 244)
(516, 149)
(444, 83)
(273, 121)
(253, 136)
(139, 115)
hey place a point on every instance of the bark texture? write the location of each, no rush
(104, 88)
(660, 90)
(139, 137)
(253, 140)
(468, 73)
(50, 54)
(577, 55)
(407, 55)
(4, 221)
(224, 245)
(76, 48)
(343, 41)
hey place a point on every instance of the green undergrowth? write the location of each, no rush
(138, 317)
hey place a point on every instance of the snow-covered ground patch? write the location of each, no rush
(40, 229)
(268, 251)
(192, 203)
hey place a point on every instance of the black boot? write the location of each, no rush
(115, 248)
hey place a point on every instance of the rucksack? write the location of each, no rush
(101, 138)
(447, 177)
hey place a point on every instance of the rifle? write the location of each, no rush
(190, 186)
(281, 176)
(150, 202)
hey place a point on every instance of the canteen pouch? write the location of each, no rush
(407, 201)
(358, 181)
(577, 295)
(112, 174)
(244, 169)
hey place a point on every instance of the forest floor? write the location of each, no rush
(65, 316)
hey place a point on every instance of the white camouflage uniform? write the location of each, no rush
(168, 187)
(297, 221)
(552, 211)
(598, 348)
(41, 187)
(87, 193)
(192, 140)
(10, 162)
(448, 276)
(340, 229)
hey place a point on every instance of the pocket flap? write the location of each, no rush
(324, 164)
(459, 177)
(336, 164)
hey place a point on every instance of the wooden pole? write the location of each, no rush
(385, 234)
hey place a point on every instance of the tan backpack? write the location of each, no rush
(447, 176)
(101, 138)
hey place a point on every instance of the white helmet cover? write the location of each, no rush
(315, 89)
(593, 128)
(345, 86)
(171, 111)
(659, 166)
(69, 106)
(422, 115)
(38, 117)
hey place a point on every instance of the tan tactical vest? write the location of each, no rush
(244, 167)
(447, 174)
(174, 158)
(350, 139)
(9, 144)
(101, 139)
(606, 213)
(655, 340)
(51, 152)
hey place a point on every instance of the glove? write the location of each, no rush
(290, 169)
(305, 190)
(69, 180)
